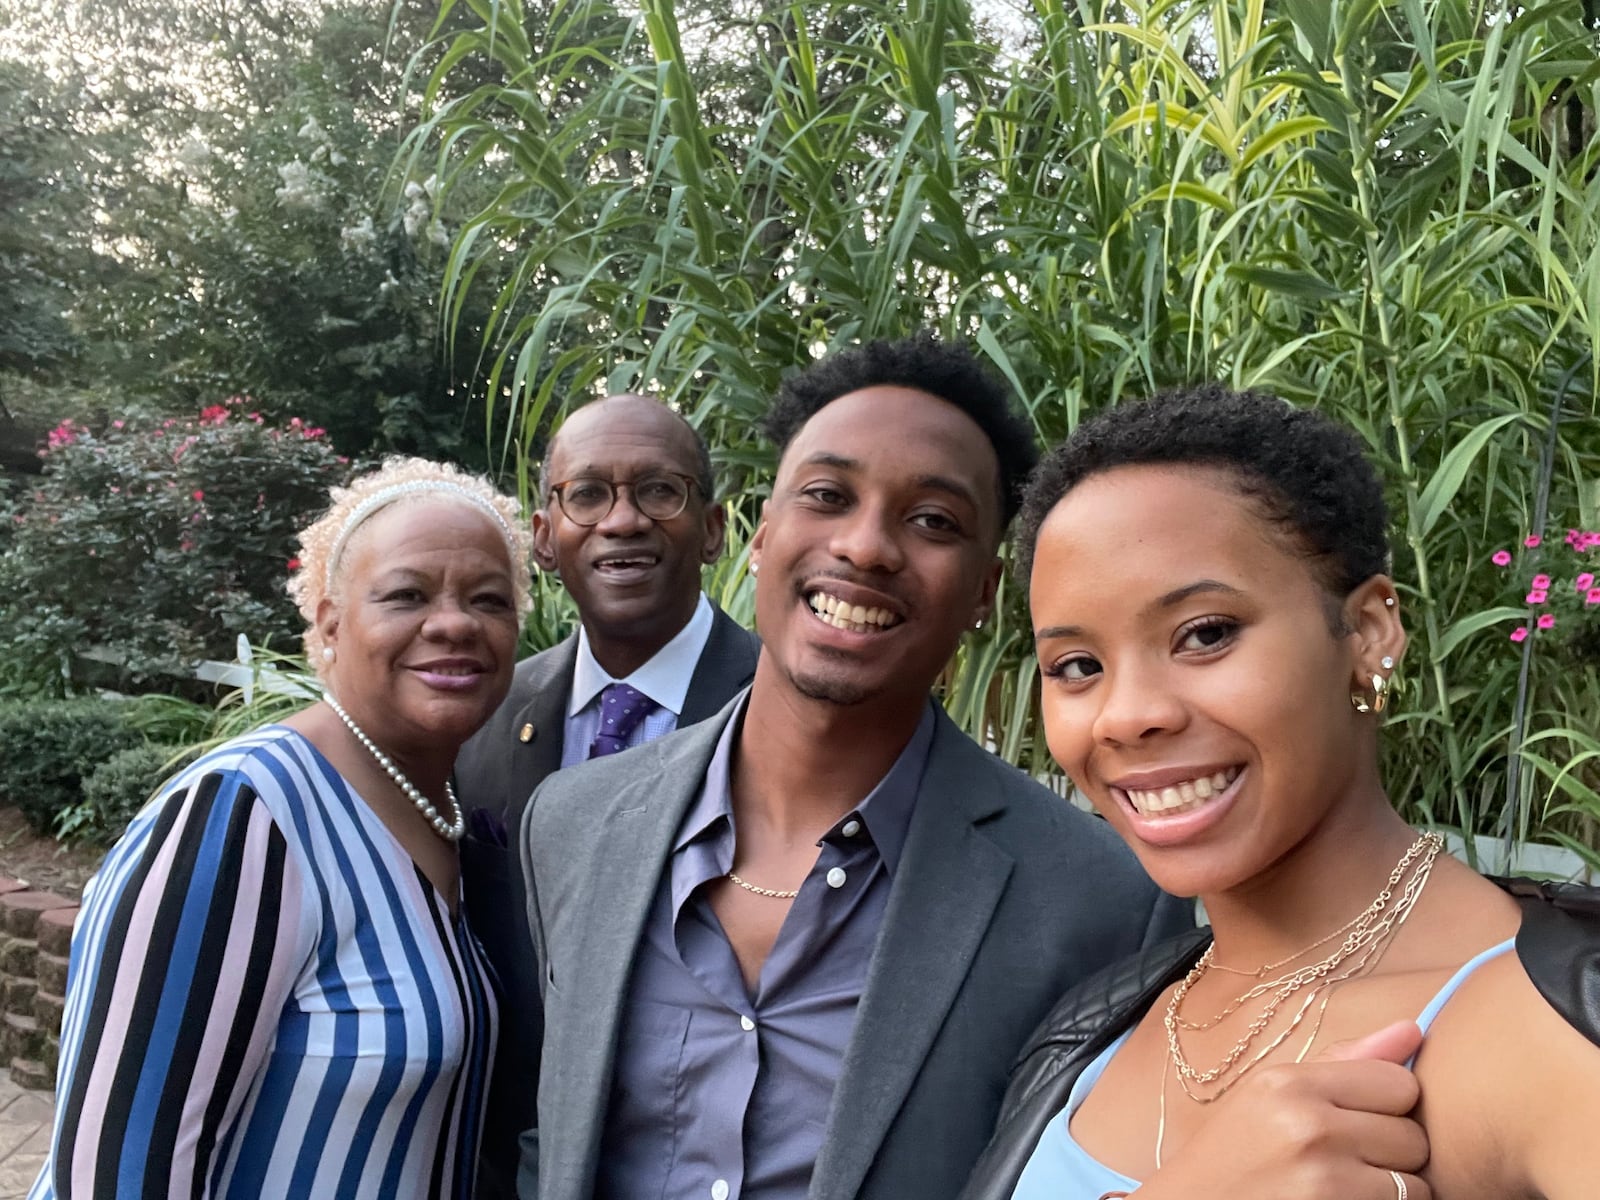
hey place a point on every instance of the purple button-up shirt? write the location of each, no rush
(719, 1094)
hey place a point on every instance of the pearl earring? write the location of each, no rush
(755, 568)
(327, 654)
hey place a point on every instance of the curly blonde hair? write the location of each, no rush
(398, 481)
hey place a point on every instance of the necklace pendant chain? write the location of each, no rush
(770, 893)
(1367, 936)
(450, 831)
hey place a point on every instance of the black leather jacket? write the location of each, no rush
(1558, 944)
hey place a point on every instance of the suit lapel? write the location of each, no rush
(543, 718)
(949, 881)
(640, 823)
(726, 665)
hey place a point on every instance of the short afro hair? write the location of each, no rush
(1309, 475)
(947, 370)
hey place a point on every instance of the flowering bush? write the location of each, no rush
(1561, 588)
(158, 540)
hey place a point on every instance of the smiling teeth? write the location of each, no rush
(843, 615)
(1181, 797)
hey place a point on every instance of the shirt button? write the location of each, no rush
(719, 1190)
(850, 828)
(746, 1024)
(836, 877)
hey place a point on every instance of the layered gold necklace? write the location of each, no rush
(1366, 937)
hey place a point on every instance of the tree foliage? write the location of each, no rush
(208, 210)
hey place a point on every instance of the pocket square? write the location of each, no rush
(488, 826)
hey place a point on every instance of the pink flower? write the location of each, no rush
(1547, 621)
(1584, 582)
(1501, 558)
(1593, 597)
(63, 434)
(1537, 596)
(294, 564)
(215, 414)
(1541, 581)
(1519, 634)
(1532, 541)
(118, 424)
(255, 416)
(199, 495)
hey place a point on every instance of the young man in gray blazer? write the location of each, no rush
(792, 952)
(628, 517)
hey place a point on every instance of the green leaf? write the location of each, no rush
(1452, 471)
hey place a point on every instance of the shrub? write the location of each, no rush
(47, 749)
(115, 791)
(159, 540)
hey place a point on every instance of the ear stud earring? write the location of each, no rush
(327, 654)
(1388, 601)
(1388, 663)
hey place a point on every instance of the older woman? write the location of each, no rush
(1218, 634)
(273, 990)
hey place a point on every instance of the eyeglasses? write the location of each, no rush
(660, 495)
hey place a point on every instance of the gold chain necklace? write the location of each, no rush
(770, 893)
(1367, 925)
(1369, 935)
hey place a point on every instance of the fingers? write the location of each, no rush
(1393, 1043)
(1390, 1143)
(1361, 1086)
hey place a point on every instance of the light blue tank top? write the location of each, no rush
(1060, 1169)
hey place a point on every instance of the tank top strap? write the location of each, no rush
(1449, 989)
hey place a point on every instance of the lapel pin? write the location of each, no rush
(525, 734)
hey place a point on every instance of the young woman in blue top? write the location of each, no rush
(1218, 633)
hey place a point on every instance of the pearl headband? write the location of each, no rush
(387, 496)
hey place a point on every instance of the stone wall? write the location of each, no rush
(35, 937)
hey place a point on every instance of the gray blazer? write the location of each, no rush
(1005, 896)
(495, 776)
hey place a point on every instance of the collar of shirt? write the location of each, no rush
(885, 812)
(665, 678)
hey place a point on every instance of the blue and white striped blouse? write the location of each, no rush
(267, 998)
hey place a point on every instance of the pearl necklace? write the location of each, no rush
(450, 831)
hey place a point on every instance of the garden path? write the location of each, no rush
(24, 1136)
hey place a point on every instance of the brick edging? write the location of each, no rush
(35, 939)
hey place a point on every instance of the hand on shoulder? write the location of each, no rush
(1335, 1128)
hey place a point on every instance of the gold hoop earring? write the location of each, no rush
(1380, 696)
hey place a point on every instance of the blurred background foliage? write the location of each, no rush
(1386, 210)
(438, 227)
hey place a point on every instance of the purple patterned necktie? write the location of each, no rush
(622, 708)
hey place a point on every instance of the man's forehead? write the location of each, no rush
(922, 435)
(622, 429)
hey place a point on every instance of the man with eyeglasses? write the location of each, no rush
(628, 517)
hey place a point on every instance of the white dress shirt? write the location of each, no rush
(665, 679)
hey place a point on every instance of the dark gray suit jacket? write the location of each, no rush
(1005, 895)
(495, 775)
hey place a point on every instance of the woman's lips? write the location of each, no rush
(1186, 821)
(450, 679)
